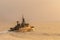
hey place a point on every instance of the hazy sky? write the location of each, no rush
(34, 11)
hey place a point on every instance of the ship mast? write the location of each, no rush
(23, 21)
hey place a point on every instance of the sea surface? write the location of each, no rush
(45, 31)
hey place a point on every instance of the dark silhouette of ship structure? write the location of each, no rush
(23, 27)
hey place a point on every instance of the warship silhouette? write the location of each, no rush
(22, 27)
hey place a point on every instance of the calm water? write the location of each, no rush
(46, 31)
